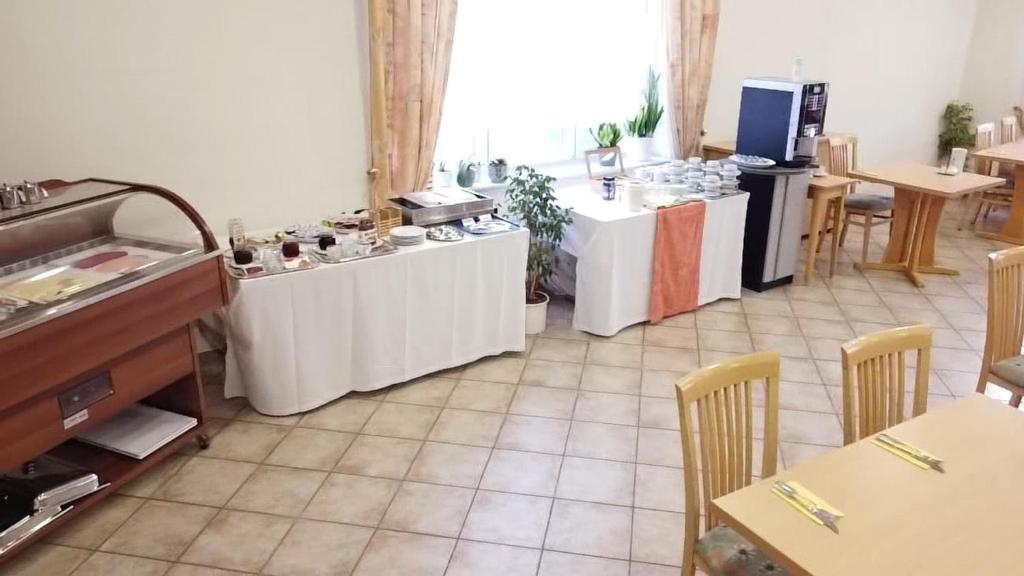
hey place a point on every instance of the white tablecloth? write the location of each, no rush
(614, 251)
(299, 340)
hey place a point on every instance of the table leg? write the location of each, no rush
(837, 228)
(818, 205)
(1013, 230)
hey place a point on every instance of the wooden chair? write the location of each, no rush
(716, 420)
(874, 377)
(1002, 363)
(983, 202)
(869, 207)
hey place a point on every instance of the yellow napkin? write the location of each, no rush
(902, 454)
(810, 497)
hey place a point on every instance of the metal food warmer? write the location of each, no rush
(100, 282)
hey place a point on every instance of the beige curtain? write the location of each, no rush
(691, 29)
(410, 51)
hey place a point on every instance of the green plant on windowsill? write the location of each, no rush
(608, 135)
(466, 176)
(956, 132)
(646, 121)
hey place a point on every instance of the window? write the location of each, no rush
(528, 78)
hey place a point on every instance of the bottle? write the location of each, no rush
(367, 232)
(236, 233)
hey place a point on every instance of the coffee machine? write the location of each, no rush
(781, 119)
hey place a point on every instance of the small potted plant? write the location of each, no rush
(497, 170)
(956, 132)
(466, 176)
(642, 126)
(442, 177)
(530, 199)
(608, 135)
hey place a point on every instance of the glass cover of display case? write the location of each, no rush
(90, 240)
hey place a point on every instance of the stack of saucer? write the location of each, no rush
(408, 235)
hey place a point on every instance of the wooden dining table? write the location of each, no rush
(900, 519)
(921, 193)
(1011, 153)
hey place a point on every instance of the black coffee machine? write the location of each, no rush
(781, 120)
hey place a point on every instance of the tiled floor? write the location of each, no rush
(562, 460)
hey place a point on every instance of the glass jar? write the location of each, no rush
(367, 232)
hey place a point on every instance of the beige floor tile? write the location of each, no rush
(711, 357)
(93, 527)
(767, 307)
(426, 391)
(379, 456)
(193, 570)
(613, 354)
(495, 369)
(400, 554)
(352, 499)
(949, 338)
(670, 337)
(588, 528)
(912, 301)
(610, 379)
(467, 427)
(451, 464)
(799, 370)
(815, 328)
(803, 396)
(486, 396)
(515, 519)
(45, 560)
(522, 473)
(906, 316)
(825, 348)
(844, 282)
(564, 330)
(311, 448)
(478, 558)
(559, 564)
(953, 359)
(711, 320)
(794, 454)
(251, 415)
(858, 297)
(819, 310)
(675, 359)
(659, 447)
(659, 413)
(966, 321)
(533, 434)
(773, 325)
(642, 569)
(660, 383)
(161, 530)
(151, 480)
(602, 481)
(559, 350)
(659, 488)
(629, 335)
(959, 383)
(725, 305)
(319, 549)
(857, 313)
(552, 374)
(283, 491)
(607, 408)
(810, 428)
(206, 481)
(345, 415)
(402, 421)
(789, 346)
(428, 509)
(658, 537)
(246, 441)
(541, 401)
(955, 305)
(831, 372)
(608, 441)
(684, 320)
(800, 293)
(104, 564)
(724, 341)
(238, 541)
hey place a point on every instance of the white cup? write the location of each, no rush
(635, 196)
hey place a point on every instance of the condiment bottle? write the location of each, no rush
(367, 231)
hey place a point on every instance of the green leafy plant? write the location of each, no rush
(956, 128)
(441, 167)
(608, 135)
(646, 121)
(466, 176)
(498, 162)
(530, 199)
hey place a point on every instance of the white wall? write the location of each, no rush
(891, 65)
(994, 75)
(250, 108)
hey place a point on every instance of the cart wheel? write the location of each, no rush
(203, 440)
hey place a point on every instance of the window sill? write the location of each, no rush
(568, 173)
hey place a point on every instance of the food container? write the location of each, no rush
(413, 213)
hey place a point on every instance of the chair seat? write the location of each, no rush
(868, 202)
(726, 553)
(1011, 370)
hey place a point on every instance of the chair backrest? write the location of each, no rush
(874, 379)
(984, 137)
(1005, 332)
(840, 154)
(1008, 129)
(717, 403)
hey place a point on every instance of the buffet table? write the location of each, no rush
(614, 252)
(299, 340)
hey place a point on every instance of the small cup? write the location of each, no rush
(290, 249)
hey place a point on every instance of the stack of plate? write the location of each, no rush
(408, 235)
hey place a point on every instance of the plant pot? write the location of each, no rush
(644, 148)
(537, 315)
(442, 179)
(466, 178)
(497, 174)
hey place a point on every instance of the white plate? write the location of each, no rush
(408, 232)
(752, 161)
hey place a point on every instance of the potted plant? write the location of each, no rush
(608, 135)
(531, 200)
(442, 177)
(497, 170)
(467, 174)
(642, 126)
(957, 119)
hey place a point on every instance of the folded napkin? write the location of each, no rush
(904, 455)
(675, 283)
(810, 497)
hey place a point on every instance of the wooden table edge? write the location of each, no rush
(876, 178)
(773, 553)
